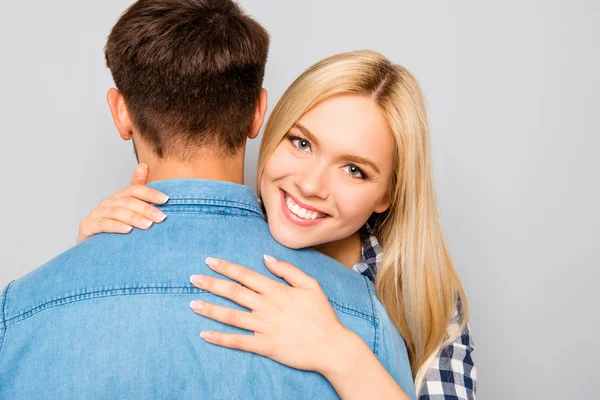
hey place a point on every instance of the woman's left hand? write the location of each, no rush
(293, 325)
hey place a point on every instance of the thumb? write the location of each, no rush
(140, 175)
(290, 273)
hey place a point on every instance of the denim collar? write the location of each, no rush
(208, 192)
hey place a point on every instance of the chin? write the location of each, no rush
(288, 240)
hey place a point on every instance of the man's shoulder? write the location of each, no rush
(74, 272)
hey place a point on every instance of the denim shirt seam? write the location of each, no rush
(128, 291)
(376, 322)
(353, 312)
(193, 211)
(123, 291)
(213, 201)
(4, 325)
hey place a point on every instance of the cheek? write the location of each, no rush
(278, 164)
(356, 204)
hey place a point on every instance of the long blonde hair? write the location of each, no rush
(416, 281)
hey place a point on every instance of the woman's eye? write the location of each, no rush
(354, 171)
(301, 144)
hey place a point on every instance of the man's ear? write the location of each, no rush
(259, 115)
(120, 113)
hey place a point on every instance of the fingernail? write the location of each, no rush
(146, 222)
(142, 165)
(197, 304)
(127, 229)
(205, 335)
(159, 215)
(162, 198)
(197, 279)
(269, 258)
(212, 262)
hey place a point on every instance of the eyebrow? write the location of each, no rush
(346, 157)
(306, 133)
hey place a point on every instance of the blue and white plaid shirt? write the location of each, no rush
(452, 375)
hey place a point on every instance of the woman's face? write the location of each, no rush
(329, 173)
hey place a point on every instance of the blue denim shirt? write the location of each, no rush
(110, 317)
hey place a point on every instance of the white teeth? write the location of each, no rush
(299, 211)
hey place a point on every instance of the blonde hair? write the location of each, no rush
(416, 281)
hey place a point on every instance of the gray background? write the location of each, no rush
(512, 88)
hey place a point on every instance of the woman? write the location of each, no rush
(371, 207)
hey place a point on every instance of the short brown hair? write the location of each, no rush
(190, 72)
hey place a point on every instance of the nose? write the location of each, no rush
(312, 182)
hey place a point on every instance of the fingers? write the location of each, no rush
(251, 343)
(229, 290)
(130, 211)
(290, 273)
(247, 277)
(229, 316)
(142, 192)
(140, 175)
(92, 226)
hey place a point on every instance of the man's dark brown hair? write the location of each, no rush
(190, 72)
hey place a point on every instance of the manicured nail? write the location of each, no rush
(197, 305)
(212, 262)
(205, 335)
(269, 258)
(159, 215)
(142, 165)
(197, 279)
(146, 222)
(162, 198)
(127, 229)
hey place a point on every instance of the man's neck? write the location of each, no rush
(204, 166)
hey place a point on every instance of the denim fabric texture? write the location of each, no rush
(110, 317)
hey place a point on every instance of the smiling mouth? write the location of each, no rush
(301, 212)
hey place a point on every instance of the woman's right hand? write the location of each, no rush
(127, 208)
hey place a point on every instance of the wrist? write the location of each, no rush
(343, 354)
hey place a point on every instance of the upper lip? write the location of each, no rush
(306, 206)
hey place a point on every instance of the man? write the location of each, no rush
(110, 318)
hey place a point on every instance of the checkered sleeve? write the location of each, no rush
(452, 374)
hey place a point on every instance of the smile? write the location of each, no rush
(301, 212)
(298, 214)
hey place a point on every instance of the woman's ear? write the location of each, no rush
(384, 203)
(120, 113)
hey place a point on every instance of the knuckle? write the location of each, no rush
(114, 212)
(149, 209)
(236, 293)
(237, 342)
(208, 284)
(232, 318)
(126, 202)
(113, 225)
(207, 309)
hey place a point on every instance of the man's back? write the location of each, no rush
(110, 318)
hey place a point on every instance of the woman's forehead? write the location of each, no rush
(349, 122)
